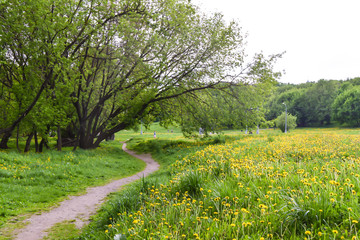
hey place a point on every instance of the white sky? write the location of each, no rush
(321, 37)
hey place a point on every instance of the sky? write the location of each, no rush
(321, 38)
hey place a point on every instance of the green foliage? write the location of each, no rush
(318, 100)
(267, 124)
(236, 107)
(346, 107)
(100, 67)
(291, 97)
(290, 121)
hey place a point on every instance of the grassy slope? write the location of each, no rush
(32, 182)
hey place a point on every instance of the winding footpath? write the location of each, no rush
(80, 208)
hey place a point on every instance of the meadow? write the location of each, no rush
(301, 185)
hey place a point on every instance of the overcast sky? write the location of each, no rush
(321, 37)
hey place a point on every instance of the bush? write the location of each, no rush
(267, 124)
(291, 122)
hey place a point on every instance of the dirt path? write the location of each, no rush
(80, 208)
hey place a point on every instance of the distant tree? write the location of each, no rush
(354, 81)
(344, 87)
(235, 107)
(290, 97)
(319, 99)
(290, 121)
(346, 107)
(313, 106)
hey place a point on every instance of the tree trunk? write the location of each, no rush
(76, 144)
(28, 141)
(5, 139)
(36, 142)
(111, 137)
(103, 135)
(17, 138)
(86, 143)
(41, 146)
(43, 143)
(85, 139)
(59, 140)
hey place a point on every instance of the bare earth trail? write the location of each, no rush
(80, 208)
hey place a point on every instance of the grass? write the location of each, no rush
(66, 228)
(274, 186)
(172, 132)
(32, 182)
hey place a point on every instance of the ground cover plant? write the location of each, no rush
(303, 185)
(31, 182)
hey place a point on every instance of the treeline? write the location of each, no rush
(318, 103)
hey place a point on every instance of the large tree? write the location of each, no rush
(40, 40)
(318, 100)
(143, 62)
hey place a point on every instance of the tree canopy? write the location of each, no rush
(95, 67)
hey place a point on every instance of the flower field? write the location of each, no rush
(295, 186)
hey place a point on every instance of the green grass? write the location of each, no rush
(63, 230)
(148, 133)
(32, 182)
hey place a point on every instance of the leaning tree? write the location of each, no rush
(140, 63)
